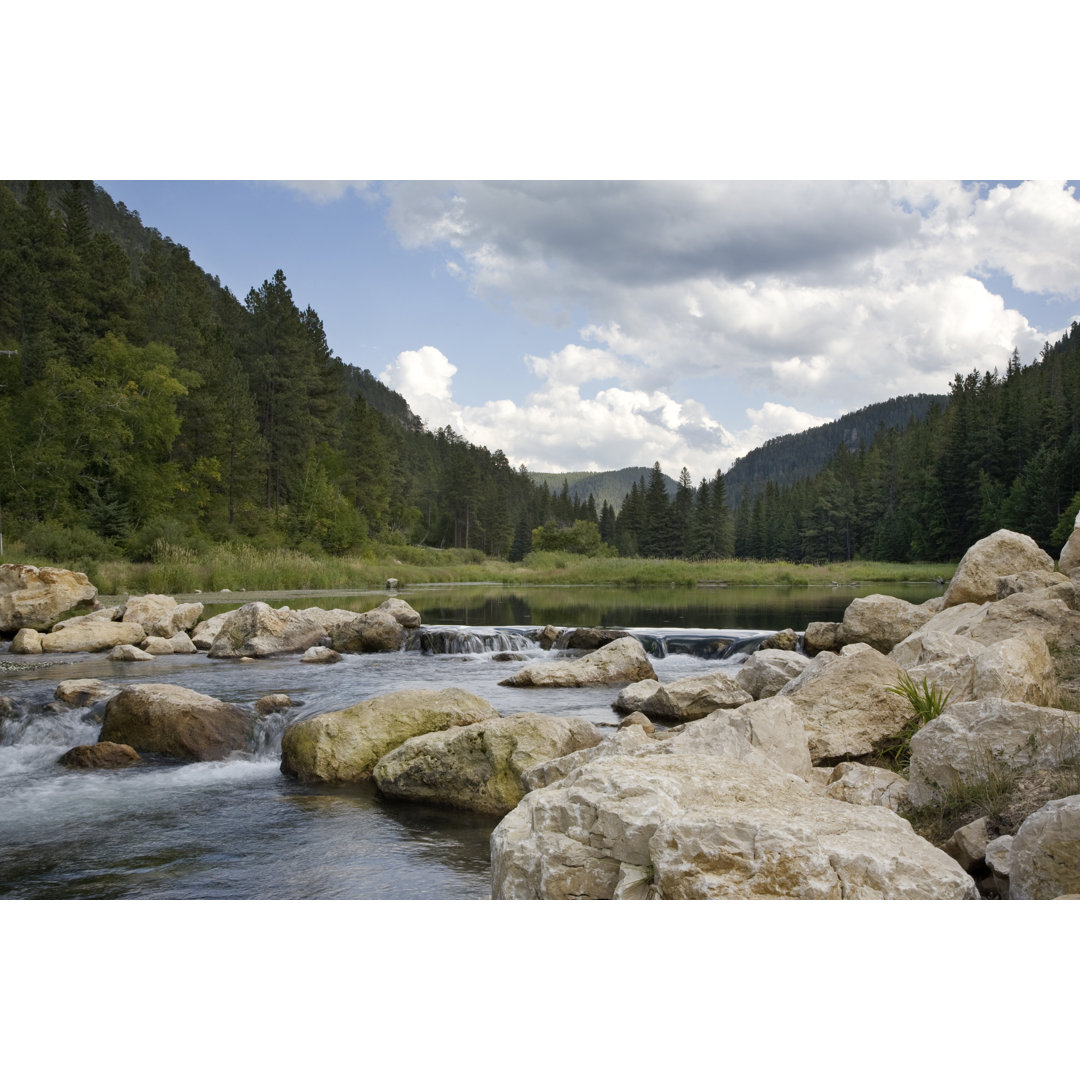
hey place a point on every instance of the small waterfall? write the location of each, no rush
(459, 640)
(705, 644)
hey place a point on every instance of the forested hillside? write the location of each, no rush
(790, 458)
(142, 404)
(605, 487)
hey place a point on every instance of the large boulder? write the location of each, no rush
(946, 661)
(699, 826)
(372, 631)
(257, 630)
(26, 642)
(82, 692)
(404, 613)
(768, 671)
(1044, 859)
(823, 637)
(846, 703)
(105, 614)
(1070, 553)
(479, 767)
(995, 556)
(775, 726)
(882, 621)
(1016, 669)
(159, 718)
(92, 636)
(35, 597)
(203, 635)
(161, 616)
(974, 741)
(623, 660)
(865, 785)
(684, 699)
(1048, 616)
(344, 746)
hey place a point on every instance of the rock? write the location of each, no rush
(320, 654)
(124, 653)
(629, 741)
(372, 631)
(686, 699)
(161, 616)
(157, 646)
(256, 630)
(1070, 553)
(823, 637)
(407, 616)
(93, 636)
(159, 718)
(635, 697)
(845, 702)
(1044, 861)
(882, 621)
(997, 856)
(621, 661)
(1028, 581)
(344, 746)
(711, 827)
(588, 639)
(391, 582)
(635, 883)
(35, 597)
(638, 719)
(1016, 669)
(272, 703)
(974, 740)
(767, 671)
(508, 657)
(946, 661)
(182, 645)
(203, 635)
(102, 755)
(26, 642)
(865, 785)
(547, 637)
(479, 767)
(1049, 617)
(786, 640)
(104, 614)
(968, 844)
(995, 556)
(774, 726)
(82, 692)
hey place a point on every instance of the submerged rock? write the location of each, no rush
(344, 746)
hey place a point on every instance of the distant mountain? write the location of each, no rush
(789, 458)
(612, 486)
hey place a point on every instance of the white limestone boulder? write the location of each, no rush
(93, 636)
(995, 556)
(776, 727)
(1044, 859)
(882, 621)
(1017, 669)
(623, 660)
(161, 616)
(767, 671)
(684, 699)
(36, 596)
(257, 630)
(866, 785)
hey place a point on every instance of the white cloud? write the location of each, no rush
(327, 191)
(423, 376)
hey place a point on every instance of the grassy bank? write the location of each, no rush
(244, 566)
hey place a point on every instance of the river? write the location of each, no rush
(239, 829)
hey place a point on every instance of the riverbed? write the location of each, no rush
(239, 829)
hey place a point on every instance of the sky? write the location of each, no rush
(590, 325)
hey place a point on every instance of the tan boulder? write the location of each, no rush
(161, 616)
(823, 637)
(205, 632)
(1049, 617)
(105, 614)
(775, 726)
(946, 661)
(182, 645)
(623, 660)
(968, 844)
(404, 613)
(687, 699)
(272, 703)
(344, 746)
(35, 597)
(865, 785)
(783, 640)
(995, 556)
(320, 654)
(125, 653)
(257, 630)
(93, 636)
(845, 702)
(160, 718)
(636, 696)
(973, 741)
(479, 767)
(1044, 860)
(629, 741)
(1029, 581)
(372, 631)
(26, 642)
(1016, 669)
(102, 755)
(882, 621)
(711, 827)
(157, 646)
(767, 671)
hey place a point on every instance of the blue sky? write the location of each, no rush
(592, 325)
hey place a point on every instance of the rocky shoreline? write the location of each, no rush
(765, 782)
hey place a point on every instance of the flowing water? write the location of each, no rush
(239, 829)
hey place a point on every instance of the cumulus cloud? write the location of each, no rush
(327, 191)
(423, 376)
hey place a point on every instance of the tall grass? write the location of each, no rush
(236, 566)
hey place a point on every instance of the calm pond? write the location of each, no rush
(239, 829)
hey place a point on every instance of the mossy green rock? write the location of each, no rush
(344, 746)
(480, 767)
